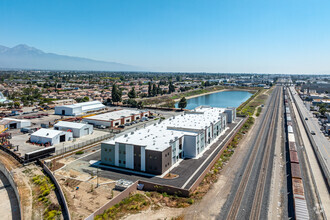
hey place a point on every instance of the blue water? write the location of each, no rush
(220, 99)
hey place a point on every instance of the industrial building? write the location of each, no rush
(79, 108)
(13, 123)
(116, 118)
(156, 148)
(231, 114)
(78, 129)
(44, 136)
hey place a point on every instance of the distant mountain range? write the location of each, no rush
(26, 57)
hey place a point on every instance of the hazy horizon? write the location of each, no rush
(287, 37)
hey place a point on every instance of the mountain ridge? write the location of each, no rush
(23, 56)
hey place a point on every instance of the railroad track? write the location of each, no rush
(269, 115)
(257, 202)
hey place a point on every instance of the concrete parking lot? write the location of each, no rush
(23, 147)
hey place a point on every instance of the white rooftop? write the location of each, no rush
(49, 133)
(70, 124)
(86, 105)
(157, 137)
(15, 119)
(196, 121)
(154, 137)
(115, 115)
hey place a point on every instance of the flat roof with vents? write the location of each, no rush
(115, 115)
(158, 136)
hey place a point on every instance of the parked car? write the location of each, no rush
(312, 132)
(121, 126)
(27, 130)
(306, 119)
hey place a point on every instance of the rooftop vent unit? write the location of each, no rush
(132, 132)
(126, 135)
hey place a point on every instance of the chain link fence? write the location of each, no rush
(82, 144)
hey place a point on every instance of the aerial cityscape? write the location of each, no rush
(164, 110)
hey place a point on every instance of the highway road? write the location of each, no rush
(310, 187)
(322, 143)
(249, 198)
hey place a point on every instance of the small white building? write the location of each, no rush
(43, 136)
(78, 129)
(13, 123)
(79, 108)
(116, 118)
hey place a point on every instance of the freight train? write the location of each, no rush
(299, 201)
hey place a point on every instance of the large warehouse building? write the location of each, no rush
(116, 118)
(78, 129)
(13, 123)
(44, 136)
(154, 149)
(79, 108)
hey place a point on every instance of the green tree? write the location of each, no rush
(149, 89)
(17, 104)
(132, 94)
(183, 103)
(171, 88)
(154, 90)
(139, 105)
(116, 94)
(85, 99)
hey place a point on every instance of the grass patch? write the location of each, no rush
(248, 107)
(79, 152)
(44, 187)
(133, 204)
(258, 111)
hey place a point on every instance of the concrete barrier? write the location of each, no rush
(171, 190)
(10, 178)
(64, 204)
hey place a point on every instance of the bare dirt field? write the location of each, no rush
(81, 190)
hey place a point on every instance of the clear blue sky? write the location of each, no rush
(275, 36)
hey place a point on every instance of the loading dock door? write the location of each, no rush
(13, 126)
(62, 138)
(63, 112)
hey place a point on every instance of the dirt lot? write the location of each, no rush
(87, 198)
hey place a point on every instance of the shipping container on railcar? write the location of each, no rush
(295, 170)
(291, 137)
(294, 157)
(292, 146)
(300, 207)
(298, 186)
